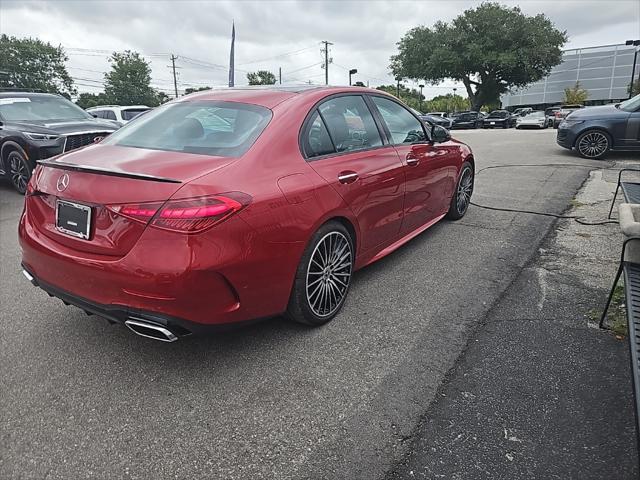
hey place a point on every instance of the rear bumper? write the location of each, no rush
(121, 313)
(206, 280)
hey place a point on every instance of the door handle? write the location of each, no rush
(347, 177)
(412, 161)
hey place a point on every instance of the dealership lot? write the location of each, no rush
(82, 398)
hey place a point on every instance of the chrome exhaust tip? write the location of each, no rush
(28, 276)
(150, 330)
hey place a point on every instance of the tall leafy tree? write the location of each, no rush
(129, 81)
(490, 49)
(410, 96)
(261, 77)
(27, 63)
(447, 103)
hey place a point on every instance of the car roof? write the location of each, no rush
(6, 94)
(271, 95)
(100, 107)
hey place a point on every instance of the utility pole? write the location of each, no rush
(327, 60)
(173, 66)
(280, 75)
(398, 87)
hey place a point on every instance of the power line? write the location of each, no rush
(282, 55)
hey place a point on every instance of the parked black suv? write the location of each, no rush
(500, 119)
(467, 120)
(593, 131)
(35, 126)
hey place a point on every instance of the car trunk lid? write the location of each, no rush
(101, 177)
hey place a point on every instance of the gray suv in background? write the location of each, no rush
(594, 131)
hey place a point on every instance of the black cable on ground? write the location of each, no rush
(578, 219)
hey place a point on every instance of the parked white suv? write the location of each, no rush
(118, 113)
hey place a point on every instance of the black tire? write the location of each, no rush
(306, 302)
(593, 144)
(18, 170)
(464, 187)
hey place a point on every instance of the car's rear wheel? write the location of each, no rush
(323, 276)
(19, 170)
(462, 196)
(593, 144)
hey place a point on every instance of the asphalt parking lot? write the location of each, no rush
(84, 399)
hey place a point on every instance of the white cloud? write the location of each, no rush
(364, 33)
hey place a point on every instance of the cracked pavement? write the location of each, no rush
(540, 391)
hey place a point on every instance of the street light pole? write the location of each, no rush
(353, 71)
(454, 99)
(421, 87)
(635, 43)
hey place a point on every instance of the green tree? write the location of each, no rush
(447, 103)
(490, 49)
(410, 96)
(634, 88)
(27, 63)
(261, 77)
(129, 81)
(193, 90)
(575, 95)
(88, 100)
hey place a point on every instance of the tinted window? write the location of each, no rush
(316, 140)
(225, 129)
(97, 113)
(498, 114)
(131, 113)
(350, 123)
(404, 127)
(109, 115)
(40, 108)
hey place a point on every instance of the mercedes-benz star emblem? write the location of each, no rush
(63, 182)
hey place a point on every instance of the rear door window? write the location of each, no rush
(109, 115)
(316, 140)
(350, 124)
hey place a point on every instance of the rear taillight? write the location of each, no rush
(191, 215)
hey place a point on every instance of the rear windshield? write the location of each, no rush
(466, 117)
(535, 115)
(226, 129)
(498, 114)
(36, 108)
(131, 113)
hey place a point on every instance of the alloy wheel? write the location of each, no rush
(593, 144)
(465, 189)
(19, 172)
(329, 274)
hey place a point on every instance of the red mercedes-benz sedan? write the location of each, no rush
(239, 204)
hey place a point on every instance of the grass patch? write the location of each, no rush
(617, 314)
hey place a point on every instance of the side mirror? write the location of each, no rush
(439, 134)
(94, 115)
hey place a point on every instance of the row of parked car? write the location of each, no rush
(519, 118)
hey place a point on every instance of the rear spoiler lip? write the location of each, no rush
(104, 171)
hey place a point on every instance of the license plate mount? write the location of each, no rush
(73, 219)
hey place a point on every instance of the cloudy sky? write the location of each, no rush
(273, 34)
